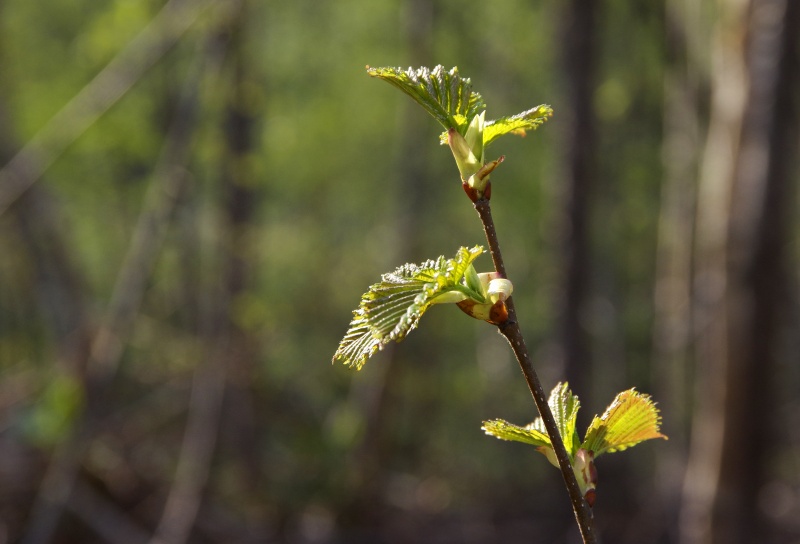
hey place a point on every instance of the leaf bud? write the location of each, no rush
(468, 164)
(500, 289)
(586, 474)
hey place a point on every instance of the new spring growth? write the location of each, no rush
(586, 474)
(449, 98)
(631, 418)
(494, 289)
(582, 466)
(486, 299)
(468, 153)
(393, 306)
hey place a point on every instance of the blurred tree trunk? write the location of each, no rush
(225, 346)
(741, 281)
(242, 193)
(580, 53)
(673, 282)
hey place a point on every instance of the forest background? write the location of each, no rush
(194, 194)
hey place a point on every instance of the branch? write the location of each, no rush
(511, 330)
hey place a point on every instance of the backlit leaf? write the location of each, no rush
(504, 430)
(444, 94)
(392, 308)
(517, 124)
(630, 419)
(564, 406)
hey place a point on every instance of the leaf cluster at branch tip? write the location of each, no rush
(444, 94)
(449, 98)
(630, 419)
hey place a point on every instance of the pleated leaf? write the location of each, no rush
(630, 419)
(447, 96)
(499, 428)
(517, 124)
(393, 307)
(564, 406)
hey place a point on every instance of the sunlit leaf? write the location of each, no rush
(517, 124)
(393, 307)
(504, 430)
(564, 406)
(444, 94)
(630, 419)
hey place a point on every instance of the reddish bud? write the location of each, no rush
(499, 313)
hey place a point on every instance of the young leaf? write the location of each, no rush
(504, 430)
(445, 95)
(393, 307)
(517, 124)
(631, 418)
(564, 406)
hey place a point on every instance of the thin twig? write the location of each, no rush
(511, 330)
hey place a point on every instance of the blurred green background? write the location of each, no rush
(195, 193)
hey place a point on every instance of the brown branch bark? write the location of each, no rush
(512, 332)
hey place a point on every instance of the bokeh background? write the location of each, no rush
(195, 193)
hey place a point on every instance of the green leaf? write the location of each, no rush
(449, 98)
(444, 94)
(504, 430)
(472, 280)
(517, 124)
(630, 419)
(393, 307)
(564, 406)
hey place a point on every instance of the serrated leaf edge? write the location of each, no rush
(392, 308)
